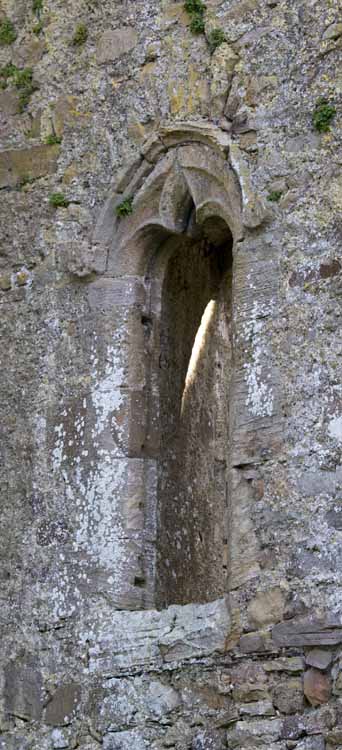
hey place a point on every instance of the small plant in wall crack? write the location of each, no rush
(58, 200)
(216, 37)
(8, 33)
(22, 79)
(323, 114)
(196, 10)
(125, 208)
(53, 140)
(80, 36)
(37, 7)
(274, 196)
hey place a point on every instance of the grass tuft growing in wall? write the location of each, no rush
(53, 140)
(323, 114)
(8, 33)
(80, 36)
(274, 196)
(196, 10)
(215, 38)
(58, 200)
(37, 7)
(125, 208)
(22, 79)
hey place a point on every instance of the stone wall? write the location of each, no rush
(106, 102)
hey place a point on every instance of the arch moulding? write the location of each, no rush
(191, 186)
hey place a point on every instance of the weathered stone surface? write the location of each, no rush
(310, 631)
(149, 639)
(266, 607)
(17, 165)
(207, 740)
(63, 705)
(23, 689)
(334, 31)
(319, 721)
(252, 642)
(124, 741)
(254, 733)
(203, 141)
(194, 132)
(317, 687)
(288, 696)
(285, 664)
(82, 259)
(335, 737)
(252, 691)
(311, 743)
(257, 708)
(115, 44)
(9, 103)
(59, 740)
(319, 658)
(223, 63)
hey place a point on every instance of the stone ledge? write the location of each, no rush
(309, 631)
(150, 639)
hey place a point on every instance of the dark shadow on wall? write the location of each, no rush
(195, 367)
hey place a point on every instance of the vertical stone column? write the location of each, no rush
(99, 451)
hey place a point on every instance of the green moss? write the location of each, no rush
(8, 33)
(216, 37)
(323, 114)
(125, 208)
(58, 200)
(274, 196)
(80, 36)
(37, 7)
(196, 9)
(52, 140)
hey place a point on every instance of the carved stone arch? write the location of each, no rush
(187, 203)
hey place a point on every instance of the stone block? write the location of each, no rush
(198, 630)
(115, 44)
(335, 737)
(317, 687)
(311, 743)
(9, 103)
(207, 739)
(319, 721)
(319, 658)
(124, 741)
(250, 691)
(21, 164)
(252, 643)
(82, 258)
(309, 631)
(257, 708)
(63, 705)
(161, 700)
(136, 640)
(248, 734)
(288, 696)
(285, 664)
(266, 607)
(23, 689)
(292, 728)
(176, 134)
(334, 31)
